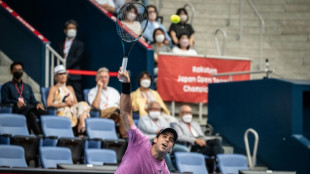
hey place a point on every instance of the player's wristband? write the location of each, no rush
(126, 88)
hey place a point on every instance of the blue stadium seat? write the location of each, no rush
(12, 156)
(101, 133)
(191, 162)
(13, 130)
(57, 131)
(94, 113)
(44, 94)
(231, 163)
(100, 156)
(51, 156)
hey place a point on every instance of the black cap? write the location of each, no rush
(171, 130)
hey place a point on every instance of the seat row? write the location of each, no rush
(57, 131)
(14, 156)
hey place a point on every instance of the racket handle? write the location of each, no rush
(124, 66)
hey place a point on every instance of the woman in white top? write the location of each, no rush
(130, 22)
(63, 98)
(183, 46)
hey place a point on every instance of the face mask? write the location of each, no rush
(152, 16)
(154, 114)
(160, 38)
(145, 83)
(184, 42)
(183, 18)
(131, 16)
(187, 118)
(17, 74)
(71, 33)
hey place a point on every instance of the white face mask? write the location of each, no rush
(71, 33)
(131, 16)
(183, 18)
(146, 83)
(187, 118)
(154, 114)
(152, 16)
(184, 42)
(160, 38)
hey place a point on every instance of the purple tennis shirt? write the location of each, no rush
(138, 158)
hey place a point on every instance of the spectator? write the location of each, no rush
(176, 30)
(159, 44)
(107, 5)
(183, 46)
(21, 97)
(151, 124)
(130, 19)
(106, 99)
(73, 51)
(119, 4)
(63, 98)
(152, 25)
(190, 132)
(144, 95)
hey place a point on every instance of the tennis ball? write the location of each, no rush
(175, 19)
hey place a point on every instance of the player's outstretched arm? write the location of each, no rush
(125, 101)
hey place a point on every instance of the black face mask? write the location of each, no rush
(17, 74)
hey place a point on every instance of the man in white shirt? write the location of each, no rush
(106, 99)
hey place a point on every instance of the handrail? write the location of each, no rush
(50, 55)
(192, 10)
(217, 42)
(261, 31)
(251, 160)
(230, 13)
(230, 74)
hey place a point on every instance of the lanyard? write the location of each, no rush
(20, 92)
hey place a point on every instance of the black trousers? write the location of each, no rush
(212, 148)
(31, 113)
(78, 88)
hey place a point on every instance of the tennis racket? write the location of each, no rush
(131, 22)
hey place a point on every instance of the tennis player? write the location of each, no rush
(141, 156)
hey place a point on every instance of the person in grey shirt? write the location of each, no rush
(151, 124)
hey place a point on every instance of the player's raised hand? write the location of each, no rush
(123, 75)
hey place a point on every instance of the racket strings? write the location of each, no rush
(132, 21)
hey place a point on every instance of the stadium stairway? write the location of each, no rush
(6, 76)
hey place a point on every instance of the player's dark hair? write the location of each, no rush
(141, 76)
(71, 21)
(16, 63)
(180, 10)
(155, 32)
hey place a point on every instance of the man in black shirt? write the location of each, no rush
(21, 96)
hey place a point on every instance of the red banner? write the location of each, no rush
(186, 79)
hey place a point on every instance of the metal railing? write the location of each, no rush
(191, 20)
(52, 58)
(217, 42)
(251, 159)
(230, 74)
(261, 31)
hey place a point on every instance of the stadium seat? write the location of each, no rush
(51, 156)
(13, 130)
(44, 94)
(190, 162)
(57, 131)
(12, 156)
(231, 163)
(94, 113)
(100, 156)
(101, 133)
